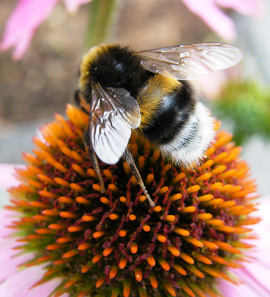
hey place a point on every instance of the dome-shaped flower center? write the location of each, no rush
(115, 244)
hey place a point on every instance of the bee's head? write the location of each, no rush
(112, 66)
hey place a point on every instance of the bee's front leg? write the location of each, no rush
(130, 160)
(93, 158)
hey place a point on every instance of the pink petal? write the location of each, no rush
(253, 285)
(73, 5)
(20, 283)
(16, 282)
(212, 85)
(247, 7)
(22, 24)
(7, 176)
(217, 20)
(255, 275)
(8, 259)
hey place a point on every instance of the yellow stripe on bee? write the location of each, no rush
(152, 94)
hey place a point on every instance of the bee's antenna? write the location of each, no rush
(130, 160)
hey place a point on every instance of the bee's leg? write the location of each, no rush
(129, 159)
(93, 159)
(78, 101)
(77, 97)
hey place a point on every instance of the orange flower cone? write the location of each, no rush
(115, 244)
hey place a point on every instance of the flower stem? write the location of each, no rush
(101, 19)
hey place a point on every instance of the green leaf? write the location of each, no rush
(247, 105)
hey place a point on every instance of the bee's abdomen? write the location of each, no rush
(166, 105)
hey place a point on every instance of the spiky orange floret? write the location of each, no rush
(113, 244)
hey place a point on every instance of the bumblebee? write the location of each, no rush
(149, 91)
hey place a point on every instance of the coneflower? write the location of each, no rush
(115, 244)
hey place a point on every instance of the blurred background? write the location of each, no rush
(42, 82)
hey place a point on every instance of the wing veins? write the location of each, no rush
(191, 60)
(113, 114)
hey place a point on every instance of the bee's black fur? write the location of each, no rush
(172, 115)
(119, 67)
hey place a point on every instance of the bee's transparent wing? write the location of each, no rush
(114, 112)
(189, 61)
